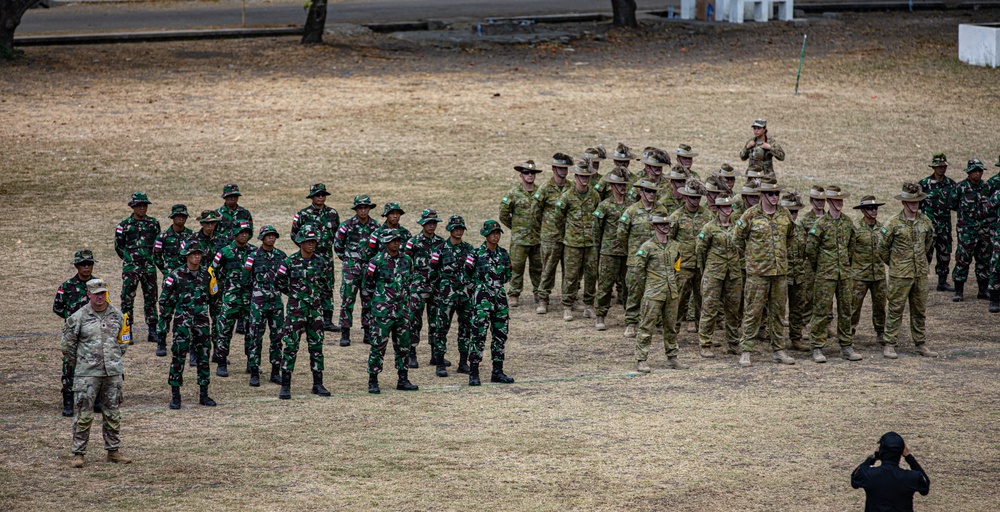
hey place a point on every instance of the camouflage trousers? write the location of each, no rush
(163, 322)
(689, 282)
(442, 311)
(67, 376)
(350, 289)
(995, 263)
(903, 290)
(326, 291)
(418, 303)
(386, 328)
(973, 243)
(190, 334)
(807, 296)
(302, 317)
(611, 273)
(552, 258)
(87, 391)
(763, 307)
(521, 257)
(941, 244)
(721, 300)
(798, 307)
(653, 311)
(878, 291)
(234, 307)
(146, 281)
(635, 285)
(824, 292)
(493, 315)
(579, 263)
(265, 313)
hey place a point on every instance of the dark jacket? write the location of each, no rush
(889, 488)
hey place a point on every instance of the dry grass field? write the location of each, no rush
(83, 127)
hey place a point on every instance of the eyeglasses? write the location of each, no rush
(770, 194)
(870, 208)
(648, 191)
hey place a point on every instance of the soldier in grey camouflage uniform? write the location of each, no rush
(575, 212)
(611, 267)
(551, 231)
(516, 212)
(868, 267)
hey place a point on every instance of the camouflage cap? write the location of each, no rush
(623, 153)
(139, 198)
(759, 123)
(489, 227)
(911, 193)
(392, 207)
(267, 230)
(816, 192)
(527, 166)
(317, 189)
(597, 153)
(975, 165)
(656, 158)
(362, 200)
(191, 245)
(659, 219)
(834, 192)
(685, 150)
(96, 285)
(230, 189)
(678, 173)
(428, 215)
(562, 160)
(868, 201)
(939, 160)
(646, 184)
(791, 201)
(455, 221)
(390, 234)
(727, 171)
(770, 184)
(244, 226)
(307, 233)
(208, 216)
(178, 209)
(724, 199)
(82, 256)
(754, 171)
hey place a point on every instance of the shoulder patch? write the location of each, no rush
(538, 195)
(119, 229)
(470, 260)
(371, 268)
(739, 222)
(249, 263)
(624, 218)
(168, 282)
(885, 231)
(559, 203)
(282, 270)
(505, 199)
(599, 214)
(701, 235)
(640, 252)
(158, 245)
(218, 257)
(812, 231)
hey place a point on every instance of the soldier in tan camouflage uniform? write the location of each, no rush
(654, 163)
(714, 186)
(869, 269)
(678, 177)
(596, 154)
(634, 228)
(749, 197)
(551, 233)
(761, 149)
(721, 266)
(686, 223)
(685, 158)
(525, 250)
(622, 157)
(575, 211)
(659, 261)
(611, 271)
(807, 221)
(728, 174)
(796, 274)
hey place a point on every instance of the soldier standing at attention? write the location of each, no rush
(903, 246)
(420, 249)
(807, 221)
(829, 247)
(167, 257)
(654, 162)
(551, 234)
(868, 267)
(71, 296)
(685, 158)
(229, 267)
(211, 243)
(675, 199)
(387, 280)
(231, 214)
(303, 277)
(325, 221)
(763, 234)
(489, 268)
(634, 228)
(596, 154)
(937, 208)
(970, 198)
(749, 193)
(266, 309)
(721, 266)
(611, 266)
(728, 174)
(796, 274)
(188, 292)
(453, 295)
(575, 211)
(761, 149)
(659, 260)
(622, 157)
(350, 245)
(686, 223)
(714, 186)
(94, 349)
(525, 249)
(391, 212)
(134, 240)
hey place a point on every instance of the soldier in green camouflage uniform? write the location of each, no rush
(613, 254)
(167, 257)
(829, 247)
(266, 309)
(134, 240)
(622, 157)
(234, 282)
(516, 212)
(421, 249)
(91, 344)
(551, 234)
(596, 155)
(686, 223)
(351, 245)
(994, 286)
(903, 246)
(303, 277)
(796, 276)
(188, 292)
(721, 266)
(868, 267)
(937, 207)
(659, 260)
(634, 229)
(453, 295)
(655, 162)
(763, 235)
(575, 211)
(807, 221)
(210, 240)
(325, 221)
(714, 186)
(749, 193)
(488, 267)
(761, 149)
(970, 198)
(388, 279)
(391, 212)
(232, 216)
(71, 296)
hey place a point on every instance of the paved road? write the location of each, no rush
(111, 17)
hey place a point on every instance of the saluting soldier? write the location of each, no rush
(613, 254)
(71, 296)
(350, 244)
(489, 268)
(686, 223)
(659, 260)
(325, 221)
(453, 295)
(134, 240)
(525, 232)
(761, 149)
(575, 211)
(421, 249)
(229, 268)
(868, 267)
(721, 266)
(634, 228)
(796, 277)
(266, 309)
(937, 208)
(167, 257)
(970, 198)
(551, 230)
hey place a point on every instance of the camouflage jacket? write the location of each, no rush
(904, 244)
(972, 204)
(388, 279)
(685, 227)
(325, 221)
(351, 244)
(489, 271)
(829, 246)
(90, 342)
(263, 268)
(212, 244)
(575, 211)
(71, 296)
(134, 240)
(716, 252)
(937, 205)
(167, 249)
(609, 214)
(764, 240)
(229, 224)
(798, 267)
(659, 263)
(994, 183)
(449, 267)
(516, 213)
(545, 209)
(808, 219)
(763, 157)
(188, 294)
(634, 228)
(375, 243)
(421, 250)
(866, 260)
(603, 188)
(302, 280)
(230, 270)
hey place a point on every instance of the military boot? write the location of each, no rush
(889, 352)
(367, 339)
(818, 356)
(345, 337)
(543, 307)
(706, 352)
(403, 383)
(67, 403)
(204, 399)
(175, 397)
(959, 291)
(151, 336)
(578, 308)
(567, 314)
(642, 367)
(588, 312)
(926, 352)
(117, 458)
(463, 363)
(241, 327)
(983, 294)
(285, 393)
(77, 461)
(411, 359)
(780, 356)
(629, 331)
(318, 388)
(255, 377)
(513, 301)
(373, 384)
(995, 301)
(438, 359)
(276, 373)
(499, 376)
(328, 324)
(798, 345)
(474, 374)
(599, 324)
(222, 370)
(675, 364)
(161, 348)
(745, 359)
(849, 354)
(943, 285)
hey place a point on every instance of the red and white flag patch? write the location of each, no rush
(372, 241)
(409, 245)
(371, 268)
(282, 270)
(169, 281)
(218, 258)
(435, 258)
(249, 264)
(470, 260)
(60, 291)
(119, 229)
(158, 245)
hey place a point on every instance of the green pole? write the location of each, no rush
(801, 57)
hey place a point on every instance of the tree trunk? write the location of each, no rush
(10, 17)
(315, 23)
(624, 13)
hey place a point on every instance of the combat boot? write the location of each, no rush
(117, 458)
(543, 307)
(780, 356)
(175, 397)
(579, 308)
(67, 403)
(733, 348)
(983, 294)
(438, 359)
(926, 352)
(151, 336)
(412, 359)
(285, 393)
(318, 388)
(77, 461)
(567, 314)
(161, 348)
(588, 312)
(675, 364)
(600, 325)
(373, 384)
(463, 363)
(513, 301)
(745, 359)
(222, 370)
(959, 291)
(943, 285)
(403, 383)
(474, 374)
(98, 408)
(849, 354)
(441, 371)
(707, 353)
(642, 367)
(345, 337)
(328, 324)
(276, 373)
(798, 345)
(889, 352)
(367, 339)
(241, 327)
(255, 377)
(995, 301)
(498, 374)
(204, 399)
(818, 356)
(629, 331)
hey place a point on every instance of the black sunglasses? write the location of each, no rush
(771, 194)
(870, 208)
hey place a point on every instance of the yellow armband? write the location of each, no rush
(213, 284)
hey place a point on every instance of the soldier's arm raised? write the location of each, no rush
(744, 152)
